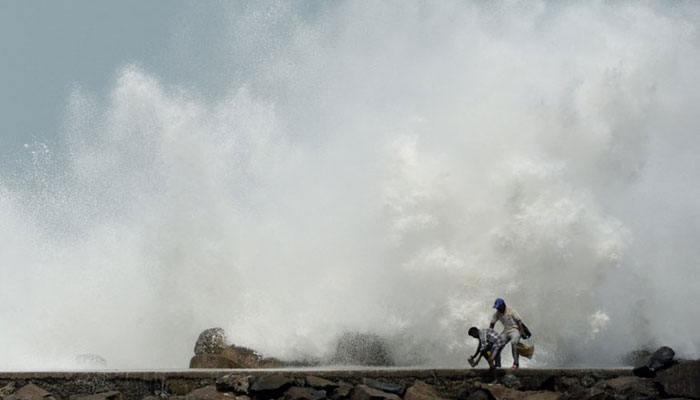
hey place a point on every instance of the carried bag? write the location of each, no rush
(525, 350)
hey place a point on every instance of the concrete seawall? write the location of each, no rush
(447, 382)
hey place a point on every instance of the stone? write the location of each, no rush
(500, 392)
(319, 383)
(244, 357)
(300, 393)
(342, 391)
(478, 394)
(681, 380)
(111, 395)
(233, 383)
(364, 392)
(662, 358)
(362, 349)
(384, 386)
(212, 361)
(421, 391)
(181, 386)
(7, 389)
(270, 383)
(511, 382)
(208, 393)
(30, 392)
(631, 386)
(211, 341)
(567, 385)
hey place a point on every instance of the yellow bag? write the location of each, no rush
(524, 349)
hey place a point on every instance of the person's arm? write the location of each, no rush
(478, 350)
(493, 320)
(518, 322)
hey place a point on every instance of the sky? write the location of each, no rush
(49, 48)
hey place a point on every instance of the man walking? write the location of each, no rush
(490, 346)
(512, 327)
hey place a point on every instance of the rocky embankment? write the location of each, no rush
(221, 370)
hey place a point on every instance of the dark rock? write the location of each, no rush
(342, 391)
(207, 393)
(212, 361)
(211, 341)
(648, 366)
(479, 394)
(362, 349)
(181, 386)
(233, 383)
(500, 392)
(244, 357)
(270, 383)
(7, 390)
(567, 385)
(682, 379)
(300, 393)
(112, 395)
(630, 387)
(384, 386)
(30, 392)
(319, 383)
(511, 382)
(364, 392)
(421, 391)
(662, 358)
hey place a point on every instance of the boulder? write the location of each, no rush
(362, 349)
(271, 383)
(341, 392)
(500, 392)
(421, 391)
(384, 386)
(181, 386)
(244, 357)
(479, 394)
(301, 393)
(320, 383)
(233, 383)
(211, 341)
(364, 392)
(648, 366)
(30, 392)
(511, 382)
(631, 387)
(112, 395)
(681, 380)
(208, 393)
(7, 390)
(212, 361)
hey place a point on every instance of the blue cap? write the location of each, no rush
(499, 302)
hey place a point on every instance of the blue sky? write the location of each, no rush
(48, 48)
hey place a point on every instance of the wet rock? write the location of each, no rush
(233, 383)
(211, 341)
(320, 383)
(212, 361)
(30, 392)
(244, 357)
(7, 390)
(511, 382)
(662, 358)
(342, 391)
(181, 386)
(567, 385)
(384, 386)
(478, 394)
(421, 391)
(627, 387)
(362, 349)
(270, 383)
(364, 392)
(112, 395)
(681, 380)
(300, 393)
(206, 393)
